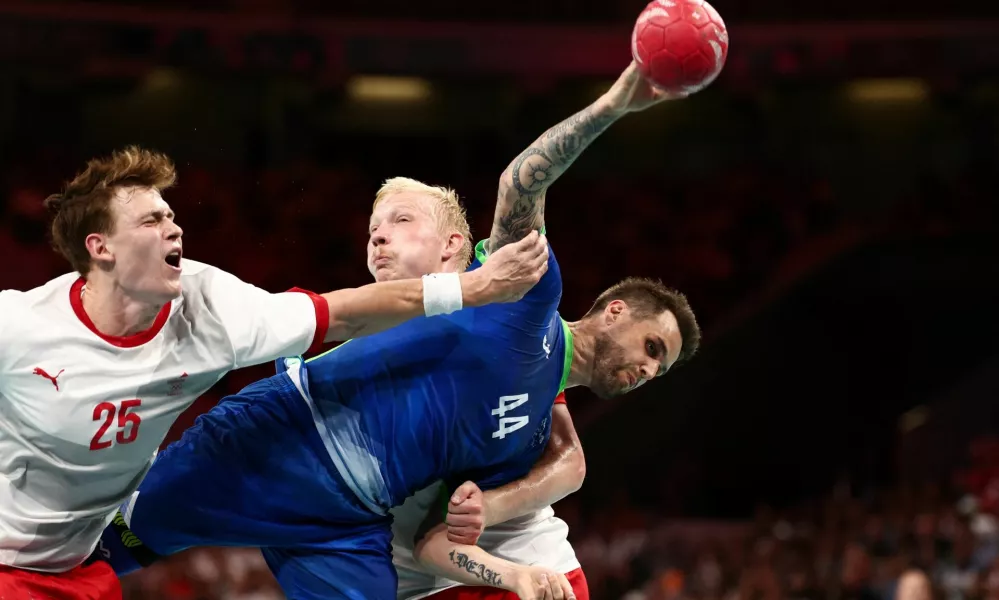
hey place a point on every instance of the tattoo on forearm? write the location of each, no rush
(479, 570)
(531, 171)
(522, 199)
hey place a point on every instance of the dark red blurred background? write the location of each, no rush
(828, 205)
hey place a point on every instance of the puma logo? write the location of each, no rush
(41, 373)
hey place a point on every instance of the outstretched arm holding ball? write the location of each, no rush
(678, 46)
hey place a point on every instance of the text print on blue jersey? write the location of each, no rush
(509, 424)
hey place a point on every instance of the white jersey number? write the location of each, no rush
(509, 424)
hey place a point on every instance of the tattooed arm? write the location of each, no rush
(472, 565)
(520, 205)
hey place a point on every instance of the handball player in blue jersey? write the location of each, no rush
(307, 464)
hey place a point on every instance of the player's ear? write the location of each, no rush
(97, 246)
(614, 311)
(452, 246)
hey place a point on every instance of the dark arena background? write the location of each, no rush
(828, 205)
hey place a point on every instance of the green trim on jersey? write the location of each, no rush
(567, 333)
(481, 254)
(328, 351)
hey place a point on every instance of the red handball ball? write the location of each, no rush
(680, 45)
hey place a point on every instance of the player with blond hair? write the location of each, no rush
(394, 201)
(97, 364)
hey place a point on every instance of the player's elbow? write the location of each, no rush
(423, 546)
(575, 469)
(420, 550)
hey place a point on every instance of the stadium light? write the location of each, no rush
(372, 88)
(887, 90)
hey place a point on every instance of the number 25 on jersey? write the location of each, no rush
(509, 424)
(127, 423)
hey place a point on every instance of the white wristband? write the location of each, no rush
(441, 294)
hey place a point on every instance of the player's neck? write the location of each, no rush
(112, 311)
(583, 346)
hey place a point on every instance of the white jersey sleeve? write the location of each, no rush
(263, 326)
(8, 314)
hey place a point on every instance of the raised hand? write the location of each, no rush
(632, 92)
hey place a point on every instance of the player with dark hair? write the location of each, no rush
(520, 527)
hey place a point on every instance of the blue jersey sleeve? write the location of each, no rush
(547, 291)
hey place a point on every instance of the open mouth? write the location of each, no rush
(173, 259)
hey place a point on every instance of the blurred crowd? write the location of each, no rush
(849, 545)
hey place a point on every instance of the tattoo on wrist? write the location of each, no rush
(477, 569)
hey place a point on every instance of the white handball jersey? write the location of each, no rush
(82, 414)
(538, 538)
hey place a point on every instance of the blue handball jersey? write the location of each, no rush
(462, 396)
